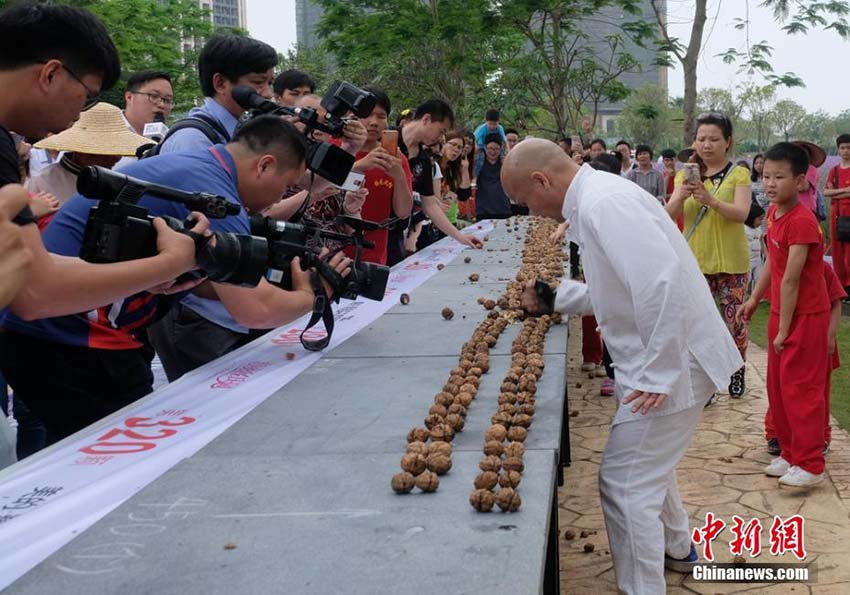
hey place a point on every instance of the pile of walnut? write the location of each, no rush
(429, 447)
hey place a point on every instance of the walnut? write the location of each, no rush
(468, 388)
(473, 380)
(474, 277)
(507, 398)
(483, 364)
(503, 419)
(490, 340)
(444, 399)
(513, 464)
(455, 422)
(434, 420)
(522, 420)
(510, 479)
(482, 500)
(447, 313)
(439, 410)
(496, 432)
(458, 371)
(588, 548)
(290, 355)
(475, 371)
(465, 363)
(439, 464)
(452, 389)
(457, 381)
(441, 266)
(428, 481)
(527, 409)
(440, 447)
(509, 387)
(489, 304)
(418, 435)
(493, 447)
(489, 463)
(569, 534)
(486, 480)
(442, 432)
(419, 448)
(402, 482)
(507, 408)
(507, 499)
(481, 300)
(464, 398)
(517, 434)
(457, 409)
(413, 463)
(404, 299)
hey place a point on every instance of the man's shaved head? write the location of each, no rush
(537, 173)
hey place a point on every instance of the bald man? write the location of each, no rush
(670, 346)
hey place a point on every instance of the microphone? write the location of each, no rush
(157, 129)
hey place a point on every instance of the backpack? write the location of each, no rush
(211, 128)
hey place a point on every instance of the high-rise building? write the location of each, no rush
(307, 16)
(227, 13)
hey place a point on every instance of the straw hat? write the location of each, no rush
(100, 130)
(816, 155)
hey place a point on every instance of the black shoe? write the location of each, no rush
(773, 447)
(737, 384)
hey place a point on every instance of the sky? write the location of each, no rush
(816, 57)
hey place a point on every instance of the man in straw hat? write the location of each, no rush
(54, 62)
(99, 137)
(643, 282)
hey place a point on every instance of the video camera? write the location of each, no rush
(288, 240)
(118, 229)
(323, 159)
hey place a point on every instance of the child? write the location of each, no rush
(799, 320)
(754, 239)
(836, 294)
(838, 191)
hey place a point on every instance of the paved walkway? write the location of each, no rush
(721, 473)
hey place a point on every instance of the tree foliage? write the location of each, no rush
(647, 118)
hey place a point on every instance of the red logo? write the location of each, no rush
(240, 375)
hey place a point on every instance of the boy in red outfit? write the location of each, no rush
(836, 294)
(838, 190)
(799, 320)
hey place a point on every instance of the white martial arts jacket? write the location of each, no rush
(646, 290)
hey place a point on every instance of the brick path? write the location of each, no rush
(721, 473)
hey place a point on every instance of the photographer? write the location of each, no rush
(54, 61)
(99, 360)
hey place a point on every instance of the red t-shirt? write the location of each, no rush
(797, 226)
(835, 293)
(378, 207)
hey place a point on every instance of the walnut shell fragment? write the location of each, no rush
(402, 482)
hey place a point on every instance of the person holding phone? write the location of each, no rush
(388, 178)
(715, 207)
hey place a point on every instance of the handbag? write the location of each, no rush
(842, 223)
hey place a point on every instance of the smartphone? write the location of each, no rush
(692, 175)
(389, 140)
(353, 182)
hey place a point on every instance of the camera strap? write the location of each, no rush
(321, 311)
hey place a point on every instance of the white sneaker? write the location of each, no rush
(778, 467)
(800, 478)
(600, 372)
(588, 367)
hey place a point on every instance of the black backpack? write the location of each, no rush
(211, 128)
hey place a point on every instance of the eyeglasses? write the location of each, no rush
(156, 98)
(92, 97)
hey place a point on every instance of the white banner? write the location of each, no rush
(46, 502)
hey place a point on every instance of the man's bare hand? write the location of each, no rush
(644, 402)
(15, 257)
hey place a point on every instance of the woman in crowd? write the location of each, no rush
(714, 213)
(756, 179)
(456, 185)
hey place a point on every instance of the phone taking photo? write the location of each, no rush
(353, 182)
(389, 140)
(692, 175)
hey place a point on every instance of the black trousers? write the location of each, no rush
(184, 341)
(69, 388)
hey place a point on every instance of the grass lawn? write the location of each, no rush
(840, 401)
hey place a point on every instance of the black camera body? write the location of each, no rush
(118, 229)
(288, 240)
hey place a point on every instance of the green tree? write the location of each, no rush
(793, 16)
(820, 128)
(314, 60)
(415, 49)
(712, 99)
(563, 70)
(788, 116)
(645, 117)
(758, 102)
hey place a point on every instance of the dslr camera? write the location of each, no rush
(118, 229)
(324, 159)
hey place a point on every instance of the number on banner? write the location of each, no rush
(104, 447)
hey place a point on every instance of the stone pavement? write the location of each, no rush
(721, 473)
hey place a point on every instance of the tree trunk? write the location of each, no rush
(689, 64)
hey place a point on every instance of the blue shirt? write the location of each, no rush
(482, 131)
(190, 139)
(116, 326)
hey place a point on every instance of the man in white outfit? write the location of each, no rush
(666, 338)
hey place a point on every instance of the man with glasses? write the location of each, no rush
(149, 98)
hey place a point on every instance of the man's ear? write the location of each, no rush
(538, 178)
(266, 164)
(220, 83)
(48, 72)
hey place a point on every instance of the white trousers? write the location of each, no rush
(644, 515)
